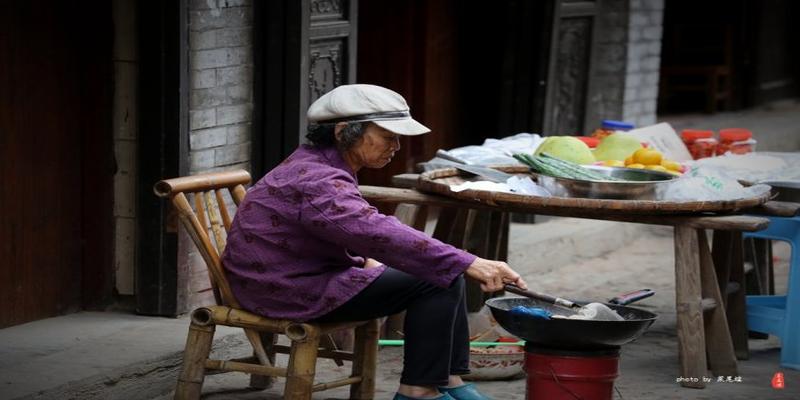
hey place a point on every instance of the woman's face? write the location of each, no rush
(375, 149)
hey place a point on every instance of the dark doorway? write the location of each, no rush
(726, 55)
(163, 140)
(56, 158)
(468, 71)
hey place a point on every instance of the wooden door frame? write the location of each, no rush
(283, 34)
(163, 151)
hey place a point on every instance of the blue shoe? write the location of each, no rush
(443, 396)
(467, 391)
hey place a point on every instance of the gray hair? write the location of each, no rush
(323, 134)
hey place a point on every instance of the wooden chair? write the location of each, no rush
(210, 211)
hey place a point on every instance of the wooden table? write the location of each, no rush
(704, 339)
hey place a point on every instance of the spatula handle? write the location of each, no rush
(539, 296)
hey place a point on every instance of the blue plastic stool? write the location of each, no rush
(780, 315)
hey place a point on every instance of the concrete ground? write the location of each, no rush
(121, 356)
(112, 355)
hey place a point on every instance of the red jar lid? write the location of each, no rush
(694, 134)
(590, 141)
(735, 134)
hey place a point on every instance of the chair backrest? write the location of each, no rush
(210, 213)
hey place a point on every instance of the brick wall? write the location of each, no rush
(607, 84)
(221, 95)
(220, 112)
(644, 59)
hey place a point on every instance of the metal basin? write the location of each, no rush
(639, 184)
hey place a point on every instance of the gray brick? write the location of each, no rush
(234, 3)
(631, 94)
(651, 78)
(199, 119)
(654, 48)
(648, 93)
(656, 17)
(649, 106)
(652, 32)
(203, 79)
(202, 4)
(201, 159)
(655, 4)
(239, 75)
(239, 94)
(652, 63)
(239, 133)
(633, 107)
(204, 98)
(203, 40)
(207, 138)
(232, 154)
(637, 51)
(646, 120)
(633, 80)
(225, 57)
(233, 37)
(635, 34)
(639, 19)
(234, 114)
(634, 65)
(242, 165)
(220, 18)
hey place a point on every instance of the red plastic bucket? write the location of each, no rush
(570, 375)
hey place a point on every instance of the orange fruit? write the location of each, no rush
(636, 165)
(629, 160)
(647, 157)
(671, 165)
(614, 163)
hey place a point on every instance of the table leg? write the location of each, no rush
(719, 347)
(729, 264)
(688, 292)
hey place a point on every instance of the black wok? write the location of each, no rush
(570, 333)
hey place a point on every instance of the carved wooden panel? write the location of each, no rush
(328, 9)
(571, 75)
(325, 67)
(330, 47)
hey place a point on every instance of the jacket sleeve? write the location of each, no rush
(334, 210)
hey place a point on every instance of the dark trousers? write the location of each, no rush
(435, 328)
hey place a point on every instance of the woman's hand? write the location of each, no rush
(492, 275)
(371, 263)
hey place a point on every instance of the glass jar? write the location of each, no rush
(609, 126)
(700, 143)
(736, 141)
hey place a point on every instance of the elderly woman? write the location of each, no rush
(306, 246)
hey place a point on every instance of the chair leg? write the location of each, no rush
(790, 343)
(302, 367)
(262, 382)
(365, 358)
(198, 346)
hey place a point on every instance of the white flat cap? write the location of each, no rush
(359, 103)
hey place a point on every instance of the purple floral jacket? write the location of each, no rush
(300, 236)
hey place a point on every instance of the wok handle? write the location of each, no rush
(540, 296)
(631, 297)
